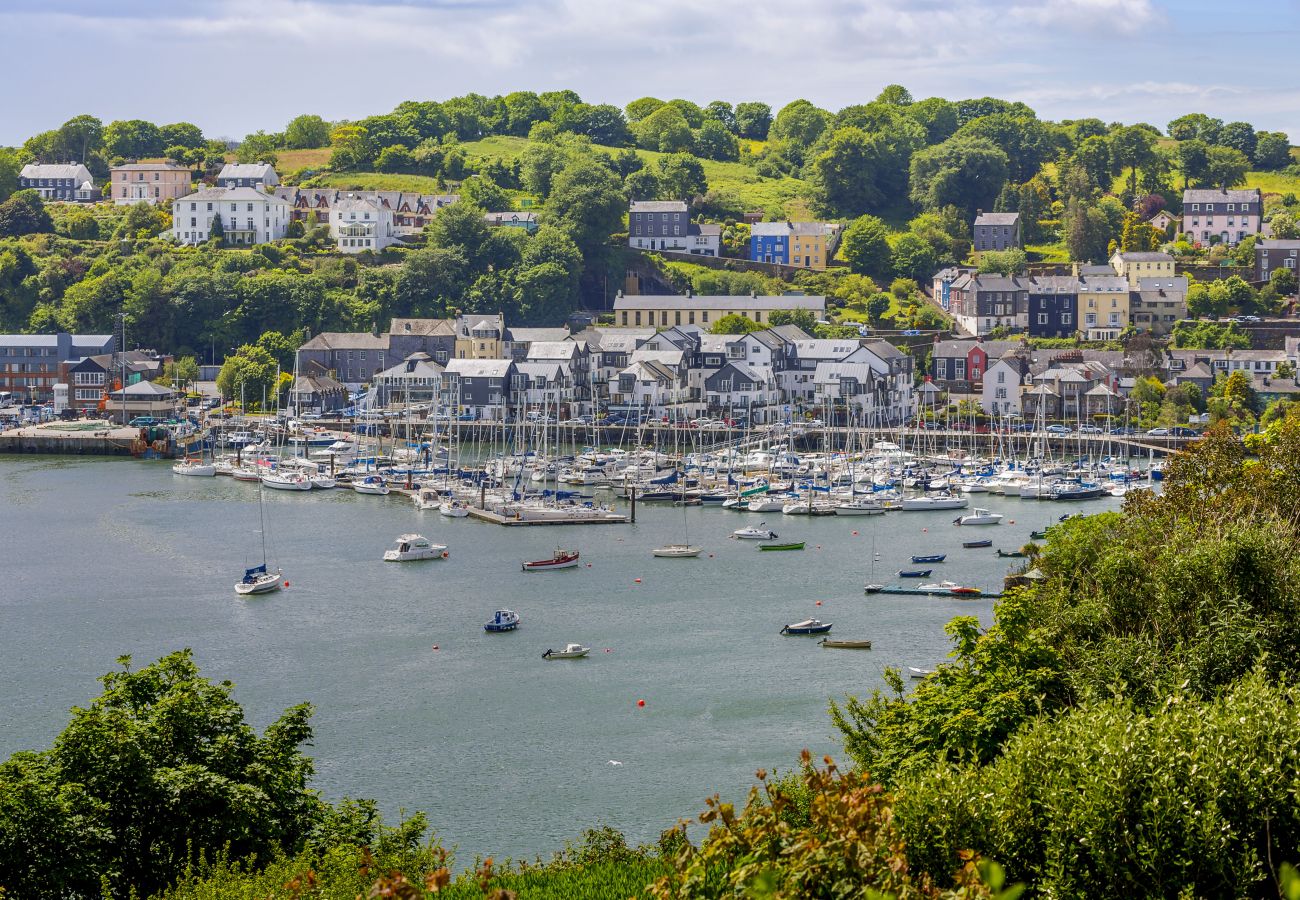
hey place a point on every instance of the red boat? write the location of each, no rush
(971, 591)
(561, 559)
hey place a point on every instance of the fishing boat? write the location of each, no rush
(793, 545)
(980, 517)
(411, 547)
(258, 580)
(371, 484)
(859, 506)
(807, 626)
(1038, 535)
(913, 672)
(936, 558)
(195, 468)
(914, 573)
(1012, 554)
(976, 545)
(676, 551)
(761, 533)
(570, 651)
(453, 509)
(560, 559)
(502, 620)
(286, 481)
(845, 645)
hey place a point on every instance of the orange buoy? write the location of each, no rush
(1011, 521)
(855, 534)
(640, 703)
(819, 603)
(286, 584)
(444, 554)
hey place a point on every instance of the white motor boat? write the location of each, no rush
(410, 547)
(980, 517)
(931, 502)
(286, 481)
(454, 509)
(258, 580)
(244, 473)
(755, 534)
(371, 484)
(859, 506)
(194, 468)
(570, 651)
(323, 482)
(676, 551)
(765, 504)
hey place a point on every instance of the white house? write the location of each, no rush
(69, 182)
(646, 386)
(248, 216)
(360, 223)
(741, 388)
(854, 385)
(257, 175)
(1002, 381)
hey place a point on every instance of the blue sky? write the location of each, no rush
(236, 66)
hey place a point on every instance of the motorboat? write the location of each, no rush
(244, 473)
(980, 517)
(807, 626)
(765, 504)
(951, 587)
(793, 545)
(914, 573)
(845, 645)
(561, 559)
(1038, 535)
(935, 558)
(913, 672)
(932, 502)
(410, 547)
(873, 588)
(755, 534)
(194, 468)
(502, 620)
(453, 509)
(322, 482)
(976, 545)
(570, 651)
(676, 551)
(258, 580)
(371, 484)
(286, 481)
(859, 506)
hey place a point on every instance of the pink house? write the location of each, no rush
(152, 183)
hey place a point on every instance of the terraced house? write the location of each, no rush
(1221, 216)
(805, 245)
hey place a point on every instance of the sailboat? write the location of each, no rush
(259, 579)
(871, 587)
(679, 551)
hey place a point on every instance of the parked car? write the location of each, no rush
(1058, 429)
(1183, 431)
(1089, 429)
(144, 422)
(1124, 430)
(1158, 432)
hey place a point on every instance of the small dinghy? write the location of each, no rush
(1038, 535)
(795, 545)
(845, 645)
(873, 588)
(914, 672)
(1012, 554)
(976, 545)
(561, 559)
(751, 533)
(676, 551)
(570, 651)
(914, 573)
(502, 620)
(807, 626)
(936, 558)
(411, 547)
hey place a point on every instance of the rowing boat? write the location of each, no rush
(846, 645)
(796, 545)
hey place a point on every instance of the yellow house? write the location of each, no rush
(812, 244)
(1135, 266)
(1103, 306)
(480, 337)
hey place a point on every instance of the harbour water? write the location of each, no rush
(508, 754)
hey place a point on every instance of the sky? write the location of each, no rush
(236, 66)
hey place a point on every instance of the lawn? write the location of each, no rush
(772, 195)
(287, 161)
(380, 181)
(1047, 253)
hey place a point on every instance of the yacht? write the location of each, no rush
(286, 481)
(859, 506)
(371, 484)
(980, 517)
(258, 580)
(194, 468)
(933, 501)
(410, 547)
(454, 509)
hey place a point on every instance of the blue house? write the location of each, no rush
(769, 242)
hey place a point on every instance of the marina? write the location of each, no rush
(149, 556)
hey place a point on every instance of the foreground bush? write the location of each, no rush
(1194, 799)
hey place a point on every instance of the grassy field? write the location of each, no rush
(380, 181)
(1048, 253)
(769, 194)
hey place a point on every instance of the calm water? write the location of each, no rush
(507, 753)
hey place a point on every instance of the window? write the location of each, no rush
(1042, 318)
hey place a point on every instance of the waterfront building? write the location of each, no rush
(30, 364)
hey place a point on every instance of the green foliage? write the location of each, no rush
(735, 323)
(306, 131)
(24, 213)
(964, 171)
(158, 769)
(865, 246)
(800, 318)
(1004, 262)
(248, 375)
(753, 120)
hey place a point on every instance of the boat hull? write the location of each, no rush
(676, 552)
(798, 545)
(845, 645)
(552, 565)
(811, 629)
(266, 585)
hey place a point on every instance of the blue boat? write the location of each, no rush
(807, 626)
(937, 558)
(503, 620)
(915, 573)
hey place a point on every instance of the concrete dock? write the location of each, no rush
(72, 438)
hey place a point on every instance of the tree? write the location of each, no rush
(1093, 157)
(81, 136)
(133, 138)
(217, 230)
(159, 769)
(586, 202)
(681, 175)
(753, 120)
(1225, 167)
(937, 116)
(605, 124)
(306, 132)
(9, 169)
(1272, 150)
(733, 323)
(1195, 126)
(1283, 281)
(911, 256)
(1193, 158)
(1239, 136)
(523, 110)
(260, 147)
(1024, 139)
(895, 95)
(350, 147)
(1133, 146)
(1004, 262)
(396, 158)
(715, 141)
(1137, 235)
(799, 123)
(484, 193)
(640, 109)
(865, 246)
(964, 172)
(721, 111)
(182, 134)
(24, 213)
(800, 318)
(1087, 232)
(665, 130)
(247, 374)
(858, 171)
(877, 306)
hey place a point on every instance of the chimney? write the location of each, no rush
(1074, 270)
(978, 213)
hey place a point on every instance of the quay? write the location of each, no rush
(73, 439)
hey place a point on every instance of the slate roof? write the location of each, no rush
(347, 340)
(1215, 195)
(659, 206)
(1001, 218)
(257, 171)
(723, 302)
(422, 327)
(479, 368)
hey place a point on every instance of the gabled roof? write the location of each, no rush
(347, 340)
(649, 370)
(241, 194)
(144, 389)
(1151, 256)
(423, 327)
(884, 349)
(537, 368)
(553, 350)
(659, 206)
(316, 384)
(257, 171)
(150, 167)
(825, 348)
(663, 357)
(538, 335)
(55, 170)
(1002, 218)
(479, 368)
(827, 372)
(790, 333)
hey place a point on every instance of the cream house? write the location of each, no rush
(637, 310)
(152, 183)
(360, 223)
